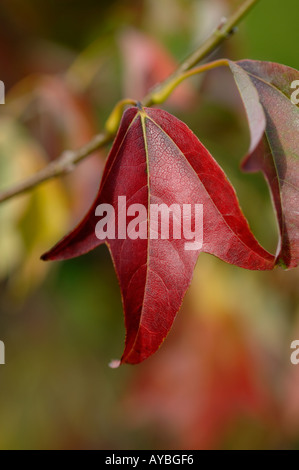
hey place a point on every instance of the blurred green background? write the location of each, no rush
(223, 378)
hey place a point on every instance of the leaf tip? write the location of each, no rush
(281, 263)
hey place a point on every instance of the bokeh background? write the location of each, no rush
(223, 378)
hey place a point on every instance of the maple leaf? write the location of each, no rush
(155, 160)
(266, 89)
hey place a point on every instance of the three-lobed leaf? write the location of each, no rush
(156, 159)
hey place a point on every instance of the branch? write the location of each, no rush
(61, 166)
(222, 32)
(67, 161)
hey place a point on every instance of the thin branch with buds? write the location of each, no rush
(67, 161)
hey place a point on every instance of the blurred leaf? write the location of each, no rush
(146, 63)
(201, 384)
(27, 222)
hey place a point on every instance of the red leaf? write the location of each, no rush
(156, 159)
(275, 146)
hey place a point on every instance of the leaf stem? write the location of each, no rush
(161, 95)
(68, 159)
(113, 120)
